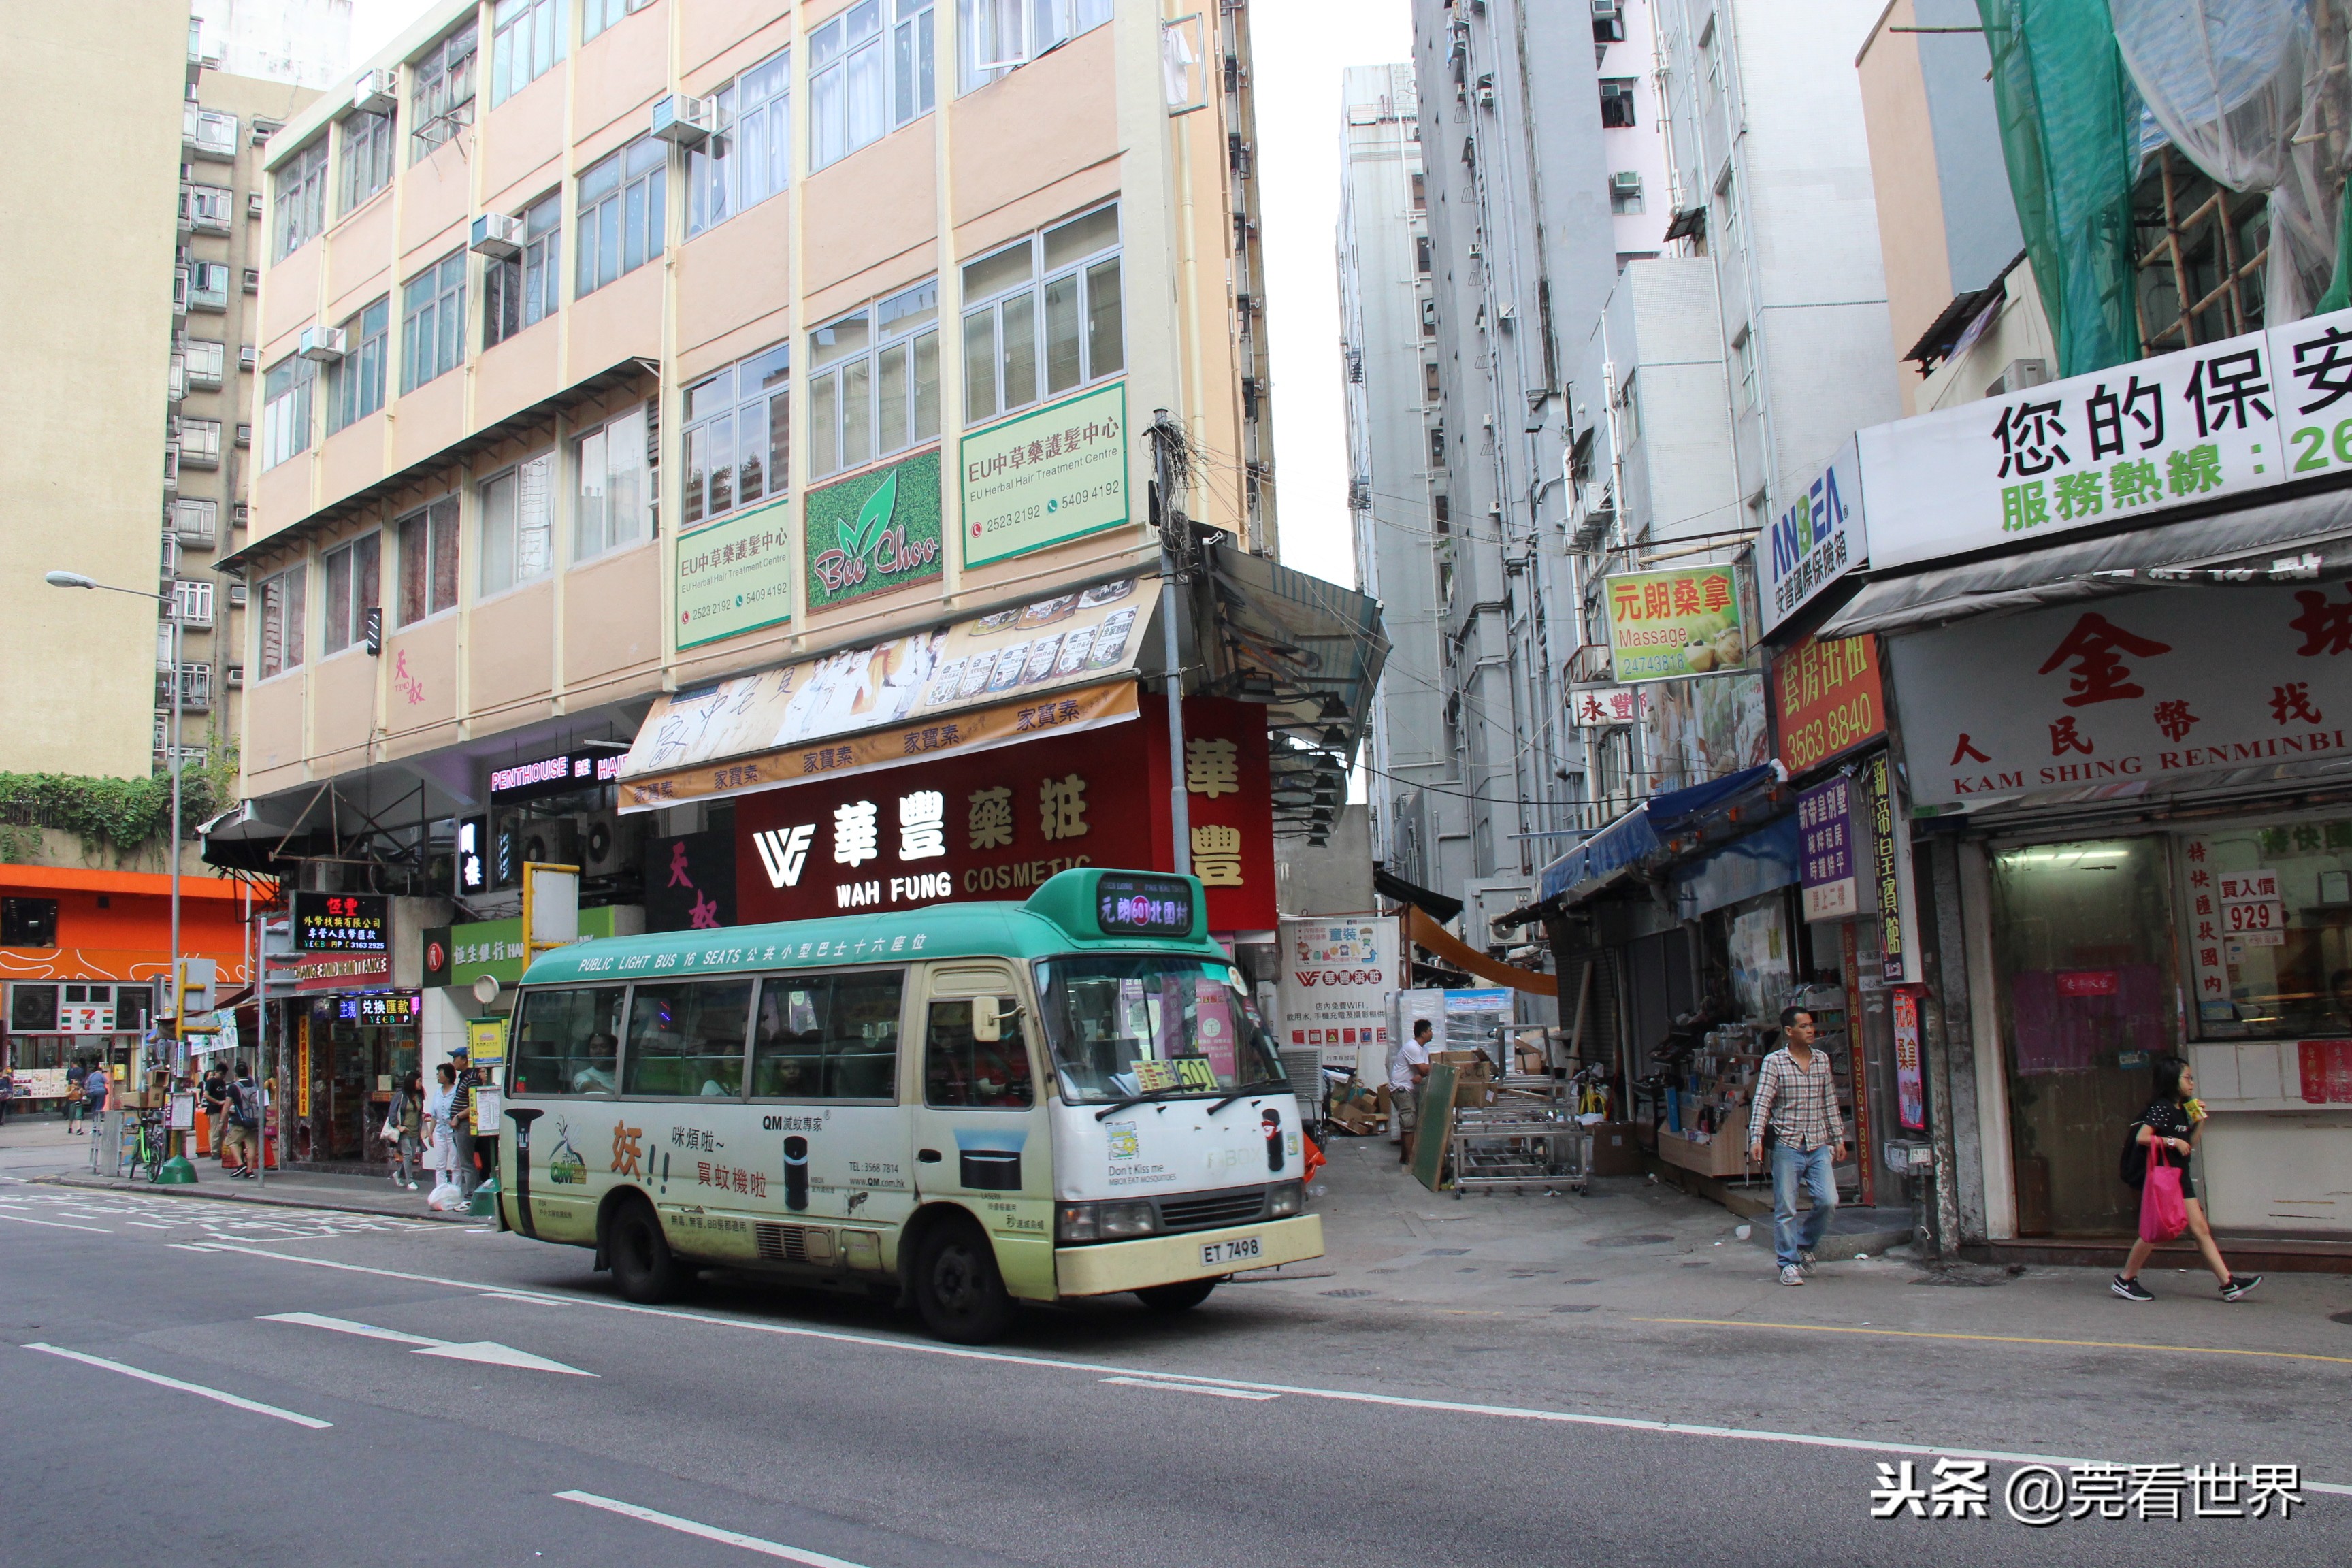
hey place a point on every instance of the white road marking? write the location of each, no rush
(709, 1531)
(488, 1353)
(54, 1224)
(150, 1225)
(192, 1246)
(1191, 1387)
(526, 1301)
(1395, 1401)
(196, 1388)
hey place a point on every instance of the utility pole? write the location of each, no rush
(1175, 539)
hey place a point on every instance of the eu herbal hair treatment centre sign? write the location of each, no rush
(1046, 477)
(735, 575)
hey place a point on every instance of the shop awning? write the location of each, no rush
(1424, 931)
(1054, 665)
(2298, 539)
(1390, 886)
(1754, 863)
(1644, 832)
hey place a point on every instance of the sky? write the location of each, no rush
(1301, 48)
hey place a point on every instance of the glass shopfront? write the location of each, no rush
(358, 1046)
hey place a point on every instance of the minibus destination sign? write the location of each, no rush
(1144, 906)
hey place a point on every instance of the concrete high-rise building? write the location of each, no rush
(301, 43)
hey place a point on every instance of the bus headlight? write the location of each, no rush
(1127, 1219)
(1105, 1221)
(1286, 1198)
(1075, 1222)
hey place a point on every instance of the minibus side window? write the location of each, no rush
(686, 1038)
(962, 1071)
(567, 1042)
(828, 1037)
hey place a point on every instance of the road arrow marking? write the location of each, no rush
(488, 1353)
(709, 1531)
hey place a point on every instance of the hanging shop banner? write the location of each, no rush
(2132, 442)
(1826, 840)
(1894, 898)
(495, 948)
(389, 1009)
(336, 972)
(690, 881)
(874, 533)
(343, 922)
(1604, 707)
(1910, 1080)
(735, 575)
(1048, 477)
(952, 688)
(996, 824)
(1827, 698)
(1684, 620)
(1818, 540)
(1338, 972)
(2104, 702)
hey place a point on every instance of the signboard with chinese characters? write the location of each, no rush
(1047, 476)
(389, 1009)
(690, 881)
(874, 533)
(1826, 840)
(343, 922)
(1892, 895)
(1827, 698)
(2108, 701)
(910, 695)
(1604, 707)
(495, 947)
(1338, 972)
(1815, 541)
(1910, 1080)
(994, 824)
(735, 575)
(2130, 442)
(1679, 621)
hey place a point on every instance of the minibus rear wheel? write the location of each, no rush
(642, 1264)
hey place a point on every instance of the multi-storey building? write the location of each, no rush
(627, 360)
(1633, 136)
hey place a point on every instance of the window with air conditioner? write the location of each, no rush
(1617, 103)
(620, 210)
(253, 279)
(1044, 316)
(355, 382)
(1437, 445)
(278, 629)
(368, 141)
(441, 92)
(1626, 193)
(997, 36)
(428, 560)
(613, 504)
(286, 398)
(526, 41)
(433, 321)
(873, 381)
(351, 575)
(521, 291)
(518, 528)
(236, 595)
(750, 158)
(300, 196)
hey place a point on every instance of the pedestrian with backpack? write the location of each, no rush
(2156, 1161)
(243, 1117)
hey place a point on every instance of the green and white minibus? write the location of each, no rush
(960, 1106)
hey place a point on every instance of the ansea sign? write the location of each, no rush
(1814, 540)
(874, 533)
(2107, 701)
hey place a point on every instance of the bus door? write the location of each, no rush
(981, 1134)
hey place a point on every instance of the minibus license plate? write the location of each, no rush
(1212, 1253)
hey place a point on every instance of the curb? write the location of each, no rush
(97, 1185)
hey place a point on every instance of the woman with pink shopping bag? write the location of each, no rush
(2156, 1161)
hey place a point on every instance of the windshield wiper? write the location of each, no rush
(1247, 1089)
(1112, 1111)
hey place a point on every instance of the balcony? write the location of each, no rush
(205, 364)
(200, 443)
(207, 132)
(194, 524)
(207, 287)
(195, 688)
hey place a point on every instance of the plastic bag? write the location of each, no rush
(446, 1198)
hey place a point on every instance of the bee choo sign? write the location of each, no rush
(1680, 622)
(872, 534)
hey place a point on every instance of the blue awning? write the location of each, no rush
(1755, 863)
(1643, 832)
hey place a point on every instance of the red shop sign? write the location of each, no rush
(1827, 698)
(2090, 983)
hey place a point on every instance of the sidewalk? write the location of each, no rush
(41, 1150)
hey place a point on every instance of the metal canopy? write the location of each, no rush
(1647, 833)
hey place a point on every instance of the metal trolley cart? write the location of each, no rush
(1527, 1137)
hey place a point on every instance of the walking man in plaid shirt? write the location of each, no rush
(1795, 1097)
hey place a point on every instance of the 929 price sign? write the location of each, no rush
(343, 922)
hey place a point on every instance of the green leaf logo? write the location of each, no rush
(858, 537)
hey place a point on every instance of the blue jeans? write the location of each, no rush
(1791, 1165)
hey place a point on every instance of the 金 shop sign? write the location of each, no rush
(1678, 622)
(2131, 443)
(2110, 701)
(1827, 698)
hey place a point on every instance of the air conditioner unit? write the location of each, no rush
(1626, 183)
(549, 840)
(247, 356)
(610, 844)
(253, 203)
(686, 119)
(324, 344)
(497, 234)
(375, 92)
(1608, 10)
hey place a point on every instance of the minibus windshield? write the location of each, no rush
(1147, 1025)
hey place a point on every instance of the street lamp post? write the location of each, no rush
(171, 605)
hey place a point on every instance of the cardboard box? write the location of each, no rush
(1616, 1148)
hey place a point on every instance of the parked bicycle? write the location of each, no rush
(150, 1145)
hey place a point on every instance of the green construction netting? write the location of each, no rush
(2068, 115)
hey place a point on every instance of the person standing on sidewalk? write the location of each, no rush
(216, 1092)
(440, 1135)
(77, 1075)
(1796, 1101)
(7, 1093)
(1406, 1075)
(238, 1143)
(2174, 1119)
(407, 1117)
(95, 1091)
(461, 1118)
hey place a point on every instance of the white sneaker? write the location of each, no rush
(1791, 1275)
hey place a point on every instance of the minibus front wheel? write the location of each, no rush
(957, 1287)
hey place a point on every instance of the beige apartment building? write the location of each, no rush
(573, 317)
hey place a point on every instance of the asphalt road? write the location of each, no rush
(436, 1394)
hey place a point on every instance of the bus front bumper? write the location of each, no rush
(1110, 1267)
